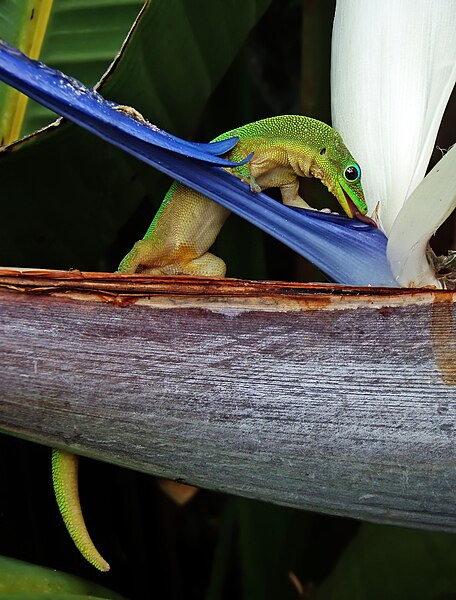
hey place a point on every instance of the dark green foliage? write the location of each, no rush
(394, 563)
(73, 206)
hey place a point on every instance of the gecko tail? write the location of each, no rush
(65, 480)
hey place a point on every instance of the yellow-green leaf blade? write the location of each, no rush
(26, 25)
(80, 37)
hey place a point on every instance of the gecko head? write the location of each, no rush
(349, 191)
(341, 174)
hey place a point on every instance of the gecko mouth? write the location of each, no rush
(355, 211)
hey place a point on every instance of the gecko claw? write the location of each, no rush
(252, 183)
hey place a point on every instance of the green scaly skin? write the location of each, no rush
(187, 224)
(65, 480)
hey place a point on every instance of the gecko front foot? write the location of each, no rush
(297, 202)
(131, 112)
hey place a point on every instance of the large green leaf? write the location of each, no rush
(75, 36)
(398, 564)
(78, 190)
(23, 581)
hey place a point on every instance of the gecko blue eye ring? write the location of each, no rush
(352, 173)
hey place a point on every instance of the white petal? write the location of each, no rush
(426, 209)
(393, 69)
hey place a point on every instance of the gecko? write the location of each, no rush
(285, 149)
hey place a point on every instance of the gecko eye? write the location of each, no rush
(352, 173)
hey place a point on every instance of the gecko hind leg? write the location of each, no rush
(206, 265)
(65, 480)
(145, 252)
